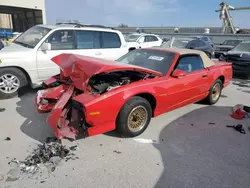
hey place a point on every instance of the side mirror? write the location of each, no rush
(178, 73)
(46, 46)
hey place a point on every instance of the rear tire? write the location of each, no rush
(134, 117)
(11, 80)
(214, 92)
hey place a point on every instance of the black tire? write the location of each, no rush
(212, 99)
(122, 125)
(19, 75)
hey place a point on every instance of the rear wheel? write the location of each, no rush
(215, 92)
(11, 80)
(134, 117)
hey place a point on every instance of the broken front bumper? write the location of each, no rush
(66, 116)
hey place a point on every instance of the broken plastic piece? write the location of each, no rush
(238, 128)
(7, 139)
(240, 111)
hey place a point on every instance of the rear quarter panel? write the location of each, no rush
(222, 69)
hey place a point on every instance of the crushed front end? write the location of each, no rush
(66, 116)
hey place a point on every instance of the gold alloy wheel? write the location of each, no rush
(216, 91)
(137, 118)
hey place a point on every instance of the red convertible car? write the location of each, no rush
(92, 96)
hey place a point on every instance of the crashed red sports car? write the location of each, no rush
(92, 96)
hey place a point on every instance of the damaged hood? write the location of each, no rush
(80, 68)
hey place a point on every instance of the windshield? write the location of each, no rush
(32, 36)
(181, 43)
(242, 47)
(150, 59)
(132, 38)
(232, 42)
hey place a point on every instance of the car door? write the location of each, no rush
(143, 43)
(148, 41)
(62, 41)
(191, 87)
(88, 43)
(111, 46)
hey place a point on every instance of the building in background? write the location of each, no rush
(20, 15)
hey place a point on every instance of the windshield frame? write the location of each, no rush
(19, 40)
(171, 56)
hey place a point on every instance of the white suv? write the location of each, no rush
(28, 59)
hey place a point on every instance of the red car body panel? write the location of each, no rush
(100, 111)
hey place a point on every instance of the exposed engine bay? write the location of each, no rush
(105, 82)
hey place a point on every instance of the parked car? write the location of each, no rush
(206, 39)
(189, 43)
(239, 56)
(144, 40)
(27, 60)
(226, 46)
(123, 95)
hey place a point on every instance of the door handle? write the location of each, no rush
(204, 75)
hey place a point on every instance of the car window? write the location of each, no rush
(192, 44)
(142, 39)
(150, 38)
(61, 40)
(88, 40)
(190, 63)
(204, 38)
(200, 43)
(110, 40)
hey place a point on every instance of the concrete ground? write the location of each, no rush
(191, 148)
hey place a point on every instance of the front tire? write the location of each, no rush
(215, 92)
(11, 80)
(134, 117)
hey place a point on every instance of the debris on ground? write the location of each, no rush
(118, 152)
(238, 128)
(240, 111)
(48, 155)
(192, 124)
(7, 139)
(211, 123)
(2, 109)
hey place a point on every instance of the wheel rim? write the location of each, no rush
(216, 92)
(9, 83)
(137, 118)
